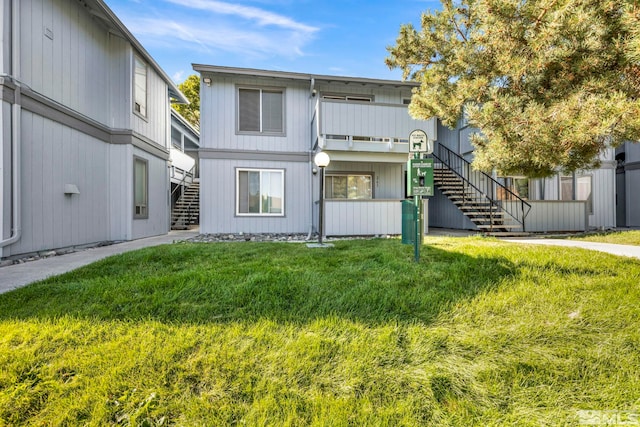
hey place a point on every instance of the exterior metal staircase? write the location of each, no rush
(492, 207)
(186, 211)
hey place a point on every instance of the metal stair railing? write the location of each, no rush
(484, 185)
(181, 186)
(185, 174)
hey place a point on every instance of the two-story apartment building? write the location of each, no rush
(84, 128)
(261, 129)
(259, 133)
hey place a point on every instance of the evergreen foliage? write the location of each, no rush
(549, 83)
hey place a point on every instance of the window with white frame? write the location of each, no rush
(140, 188)
(348, 186)
(260, 192)
(577, 187)
(140, 86)
(261, 111)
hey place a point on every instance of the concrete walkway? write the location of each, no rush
(17, 275)
(621, 250)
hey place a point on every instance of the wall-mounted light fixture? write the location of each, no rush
(207, 81)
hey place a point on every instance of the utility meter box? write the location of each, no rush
(420, 176)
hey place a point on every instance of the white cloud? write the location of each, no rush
(222, 26)
(208, 37)
(261, 16)
(178, 76)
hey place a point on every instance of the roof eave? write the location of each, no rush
(174, 92)
(215, 69)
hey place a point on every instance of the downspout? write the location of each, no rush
(312, 93)
(16, 230)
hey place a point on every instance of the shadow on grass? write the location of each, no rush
(372, 281)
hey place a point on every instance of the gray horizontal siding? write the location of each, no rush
(603, 191)
(218, 104)
(52, 156)
(370, 120)
(218, 198)
(72, 67)
(363, 217)
(551, 216)
(86, 68)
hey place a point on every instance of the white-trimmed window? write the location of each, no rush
(348, 186)
(140, 188)
(577, 187)
(260, 192)
(261, 111)
(139, 86)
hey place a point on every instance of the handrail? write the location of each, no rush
(189, 173)
(181, 186)
(485, 185)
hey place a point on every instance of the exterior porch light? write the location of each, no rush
(321, 160)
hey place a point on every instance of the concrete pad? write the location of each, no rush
(620, 250)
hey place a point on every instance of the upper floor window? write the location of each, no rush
(356, 98)
(261, 111)
(140, 86)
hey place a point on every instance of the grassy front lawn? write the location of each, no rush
(480, 332)
(616, 237)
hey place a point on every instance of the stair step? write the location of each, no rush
(498, 216)
(507, 226)
(507, 233)
(493, 220)
(458, 193)
(456, 189)
(186, 211)
(475, 204)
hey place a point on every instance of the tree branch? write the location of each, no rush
(543, 13)
(458, 30)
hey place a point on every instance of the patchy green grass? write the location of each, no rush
(480, 332)
(617, 237)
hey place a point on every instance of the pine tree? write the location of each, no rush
(549, 83)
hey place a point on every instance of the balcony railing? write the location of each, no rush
(363, 217)
(365, 126)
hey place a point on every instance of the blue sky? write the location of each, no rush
(334, 37)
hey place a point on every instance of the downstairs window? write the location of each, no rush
(260, 192)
